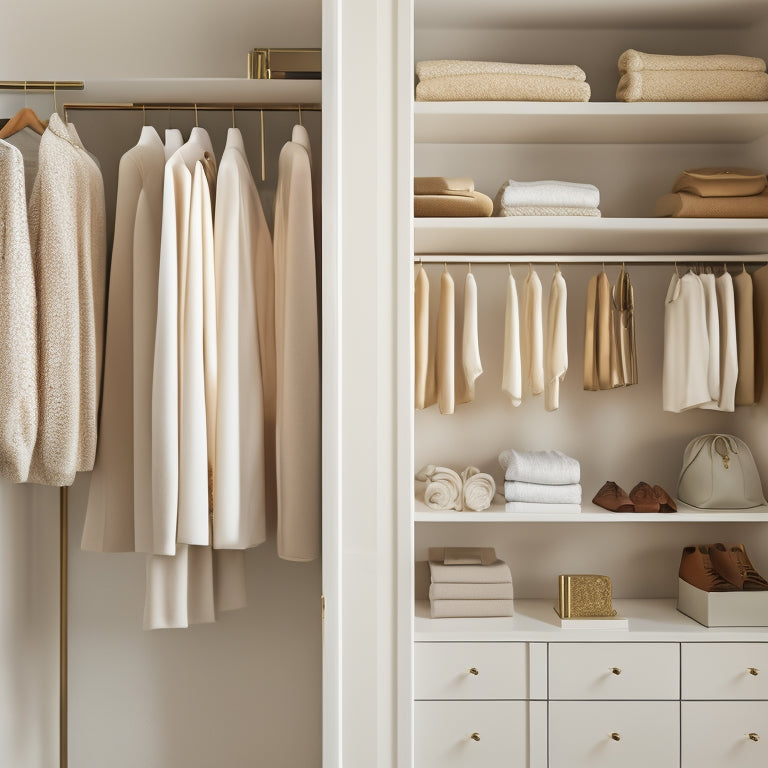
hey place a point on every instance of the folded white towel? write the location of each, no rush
(546, 210)
(479, 489)
(533, 508)
(512, 376)
(440, 591)
(447, 609)
(545, 467)
(443, 489)
(495, 573)
(514, 490)
(547, 193)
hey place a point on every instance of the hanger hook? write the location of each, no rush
(445, 266)
(300, 123)
(509, 268)
(55, 102)
(233, 116)
(263, 161)
(677, 271)
(25, 93)
(197, 123)
(144, 114)
(469, 267)
(169, 115)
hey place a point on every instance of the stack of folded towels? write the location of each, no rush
(730, 193)
(455, 80)
(540, 481)
(546, 198)
(441, 196)
(468, 582)
(659, 77)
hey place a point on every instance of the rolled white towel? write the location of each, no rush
(479, 489)
(514, 490)
(548, 192)
(443, 489)
(545, 467)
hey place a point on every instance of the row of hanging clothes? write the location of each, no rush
(209, 423)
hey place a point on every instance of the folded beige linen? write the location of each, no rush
(693, 86)
(447, 609)
(547, 210)
(686, 205)
(496, 573)
(446, 206)
(471, 591)
(463, 555)
(442, 185)
(448, 67)
(721, 182)
(501, 88)
(636, 61)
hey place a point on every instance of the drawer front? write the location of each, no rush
(471, 671)
(614, 671)
(444, 734)
(616, 734)
(724, 671)
(716, 734)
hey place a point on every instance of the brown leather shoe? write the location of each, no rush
(732, 563)
(666, 502)
(644, 498)
(696, 568)
(614, 498)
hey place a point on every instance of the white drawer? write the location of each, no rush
(471, 671)
(614, 671)
(615, 734)
(444, 733)
(716, 734)
(724, 671)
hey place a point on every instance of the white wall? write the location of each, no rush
(247, 690)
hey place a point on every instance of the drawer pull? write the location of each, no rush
(753, 736)
(616, 736)
(474, 671)
(615, 670)
(476, 736)
(754, 671)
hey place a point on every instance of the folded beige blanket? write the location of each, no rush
(448, 67)
(686, 205)
(546, 210)
(496, 573)
(504, 87)
(425, 206)
(721, 182)
(446, 609)
(440, 185)
(693, 86)
(636, 61)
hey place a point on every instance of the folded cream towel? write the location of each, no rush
(503, 591)
(636, 61)
(535, 508)
(545, 467)
(446, 206)
(484, 87)
(548, 193)
(421, 338)
(470, 344)
(686, 205)
(514, 490)
(532, 336)
(444, 487)
(511, 380)
(693, 86)
(444, 360)
(448, 67)
(556, 346)
(495, 573)
(541, 210)
(448, 609)
(441, 185)
(479, 489)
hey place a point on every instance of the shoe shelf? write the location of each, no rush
(591, 513)
(536, 620)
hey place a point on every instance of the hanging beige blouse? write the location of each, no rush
(444, 358)
(471, 365)
(532, 336)
(556, 346)
(745, 337)
(511, 379)
(421, 336)
(624, 328)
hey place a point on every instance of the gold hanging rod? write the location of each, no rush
(752, 259)
(41, 85)
(220, 106)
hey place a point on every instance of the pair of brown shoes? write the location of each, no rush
(720, 568)
(642, 498)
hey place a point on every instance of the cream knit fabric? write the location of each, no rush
(686, 85)
(18, 333)
(636, 61)
(505, 87)
(449, 67)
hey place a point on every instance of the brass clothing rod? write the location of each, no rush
(752, 259)
(190, 106)
(41, 85)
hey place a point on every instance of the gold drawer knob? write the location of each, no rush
(615, 670)
(753, 736)
(754, 671)
(475, 736)
(474, 671)
(616, 736)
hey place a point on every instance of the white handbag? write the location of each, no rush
(719, 472)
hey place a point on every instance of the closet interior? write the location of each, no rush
(632, 152)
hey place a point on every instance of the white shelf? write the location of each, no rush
(591, 513)
(494, 122)
(536, 621)
(530, 235)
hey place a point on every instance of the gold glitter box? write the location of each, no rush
(585, 595)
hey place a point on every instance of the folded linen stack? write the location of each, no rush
(659, 77)
(713, 193)
(546, 198)
(468, 582)
(540, 481)
(437, 196)
(455, 80)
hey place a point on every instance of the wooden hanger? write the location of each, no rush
(24, 118)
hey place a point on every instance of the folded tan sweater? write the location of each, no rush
(440, 185)
(693, 86)
(686, 205)
(425, 206)
(721, 182)
(636, 61)
(449, 67)
(504, 87)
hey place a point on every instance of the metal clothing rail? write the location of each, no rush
(656, 260)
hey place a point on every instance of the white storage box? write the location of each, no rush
(723, 609)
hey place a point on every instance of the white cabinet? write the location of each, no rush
(724, 670)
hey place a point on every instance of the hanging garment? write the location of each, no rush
(119, 498)
(532, 336)
(745, 337)
(686, 345)
(729, 364)
(297, 360)
(18, 323)
(713, 334)
(556, 347)
(421, 337)
(602, 354)
(471, 365)
(591, 382)
(624, 327)
(511, 379)
(173, 141)
(760, 297)
(444, 354)
(27, 141)
(240, 233)
(68, 239)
